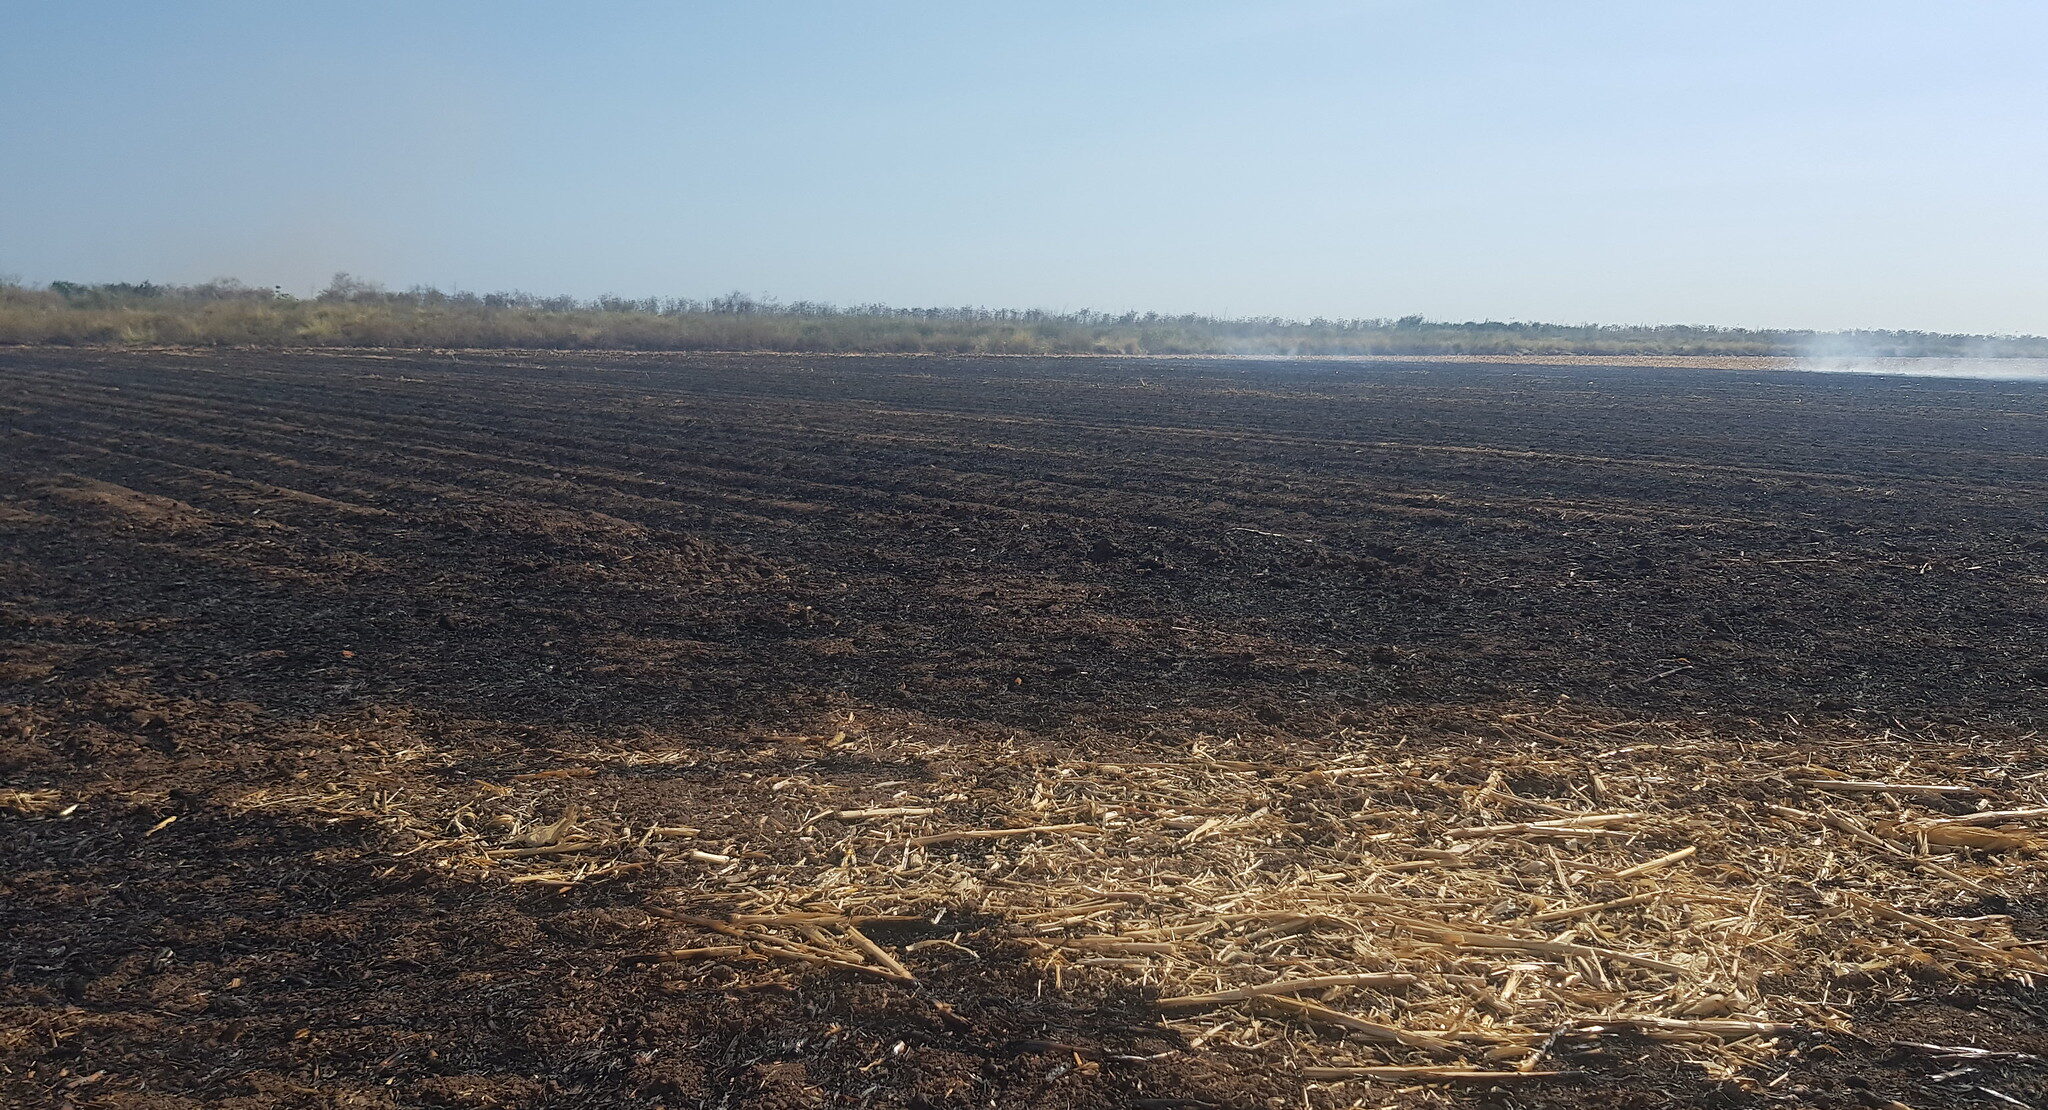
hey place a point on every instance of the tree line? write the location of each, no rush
(357, 313)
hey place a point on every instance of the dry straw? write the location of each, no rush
(1369, 910)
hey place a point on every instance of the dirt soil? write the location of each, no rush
(228, 576)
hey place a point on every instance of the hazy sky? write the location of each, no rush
(1830, 164)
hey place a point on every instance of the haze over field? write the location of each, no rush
(1982, 369)
(1826, 165)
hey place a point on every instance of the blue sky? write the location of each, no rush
(1854, 164)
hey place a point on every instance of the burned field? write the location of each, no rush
(483, 730)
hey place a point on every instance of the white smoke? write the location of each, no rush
(1849, 354)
